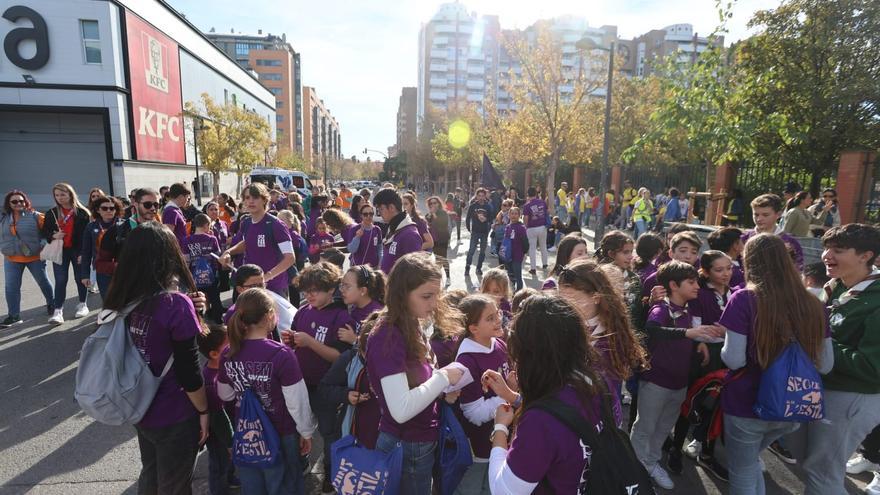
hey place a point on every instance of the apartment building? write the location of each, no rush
(406, 121)
(321, 137)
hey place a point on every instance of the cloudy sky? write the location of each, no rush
(359, 53)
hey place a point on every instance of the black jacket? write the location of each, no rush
(473, 222)
(81, 220)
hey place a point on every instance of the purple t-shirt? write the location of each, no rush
(516, 232)
(210, 377)
(267, 366)
(260, 251)
(737, 277)
(645, 273)
(173, 217)
(317, 240)
(220, 231)
(367, 252)
(477, 363)
(404, 241)
(322, 324)
(544, 449)
(386, 356)
(197, 247)
(358, 315)
(444, 350)
(153, 325)
(793, 245)
(670, 358)
(535, 213)
(708, 305)
(422, 226)
(739, 395)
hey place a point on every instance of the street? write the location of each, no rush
(50, 447)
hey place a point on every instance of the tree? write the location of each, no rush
(548, 124)
(286, 158)
(459, 140)
(812, 74)
(231, 138)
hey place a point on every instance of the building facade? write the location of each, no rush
(406, 121)
(99, 99)
(321, 136)
(647, 50)
(279, 68)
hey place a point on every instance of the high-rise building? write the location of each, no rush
(321, 137)
(658, 44)
(278, 67)
(406, 121)
(463, 59)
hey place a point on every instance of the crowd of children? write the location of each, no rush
(683, 334)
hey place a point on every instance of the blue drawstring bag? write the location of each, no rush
(455, 451)
(505, 254)
(790, 388)
(255, 442)
(356, 469)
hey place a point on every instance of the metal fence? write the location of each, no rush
(754, 179)
(660, 178)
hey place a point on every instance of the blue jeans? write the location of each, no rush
(477, 238)
(103, 284)
(61, 272)
(418, 463)
(12, 274)
(562, 213)
(287, 477)
(514, 273)
(744, 439)
(641, 228)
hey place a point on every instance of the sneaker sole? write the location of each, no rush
(784, 459)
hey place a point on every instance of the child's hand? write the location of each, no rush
(450, 398)
(305, 446)
(512, 381)
(302, 339)
(504, 415)
(347, 335)
(703, 349)
(354, 397)
(658, 293)
(492, 379)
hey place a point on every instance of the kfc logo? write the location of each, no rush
(155, 69)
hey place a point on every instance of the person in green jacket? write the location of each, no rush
(642, 211)
(852, 388)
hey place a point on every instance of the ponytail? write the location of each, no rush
(250, 308)
(371, 279)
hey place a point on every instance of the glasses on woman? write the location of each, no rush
(108, 208)
(16, 201)
(367, 214)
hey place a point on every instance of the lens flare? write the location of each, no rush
(459, 134)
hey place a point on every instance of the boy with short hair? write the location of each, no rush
(685, 247)
(202, 250)
(219, 443)
(729, 241)
(671, 346)
(766, 212)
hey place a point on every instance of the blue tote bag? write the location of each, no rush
(255, 442)
(455, 451)
(790, 388)
(356, 469)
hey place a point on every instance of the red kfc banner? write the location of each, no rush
(155, 93)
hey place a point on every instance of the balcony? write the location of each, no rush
(438, 53)
(436, 81)
(476, 84)
(475, 97)
(438, 68)
(476, 69)
(437, 95)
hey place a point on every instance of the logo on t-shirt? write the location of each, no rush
(139, 329)
(321, 333)
(261, 240)
(392, 248)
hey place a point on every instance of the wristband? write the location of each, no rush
(499, 427)
(517, 402)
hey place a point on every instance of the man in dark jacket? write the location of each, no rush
(478, 222)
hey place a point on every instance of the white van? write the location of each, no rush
(288, 180)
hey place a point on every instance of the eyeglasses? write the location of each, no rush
(16, 201)
(828, 196)
(151, 205)
(368, 214)
(108, 208)
(257, 285)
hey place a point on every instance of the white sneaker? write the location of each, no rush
(93, 289)
(551, 249)
(859, 464)
(693, 449)
(57, 318)
(661, 477)
(763, 466)
(873, 487)
(81, 310)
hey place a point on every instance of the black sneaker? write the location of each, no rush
(50, 309)
(10, 320)
(479, 272)
(713, 467)
(533, 272)
(544, 267)
(674, 463)
(781, 452)
(467, 271)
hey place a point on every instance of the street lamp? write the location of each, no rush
(586, 44)
(198, 126)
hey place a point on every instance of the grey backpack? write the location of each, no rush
(114, 384)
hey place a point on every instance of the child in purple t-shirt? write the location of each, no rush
(212, 346)
(481, 349)
(319, 241)
(202, 250)
(648, 248)
(496, 284)
(363, 290)
(315, 338)
(271, 370)
(519, 246)
(400, 368)
(671, 347)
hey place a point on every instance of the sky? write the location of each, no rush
(358, 54)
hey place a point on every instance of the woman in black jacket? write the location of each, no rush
(67, 221)
(438, 223)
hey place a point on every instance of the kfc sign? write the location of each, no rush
(155, 93)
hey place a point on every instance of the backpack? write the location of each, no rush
(202, 268)
(114, 384)
(505, 254)
(454, 448)
(790, 388)
(614, 468)
(255, 442)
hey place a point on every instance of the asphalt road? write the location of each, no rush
(50, 447)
